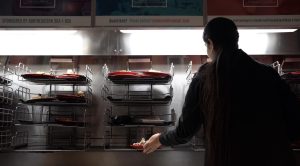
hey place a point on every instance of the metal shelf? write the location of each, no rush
(143, 125)
(5, 81)
(132, 102)
(112, 119)
(5, 140)
(139, 80)
(133, 92)
(6, 95)
(67, 118)
(23, 69)
(5, 74)
(6, 117)
(47, 124)
(57, 104)
(292, 80)
(134, 95)
(24, 96)
(65, 126)
(59, 81)
(20, 139)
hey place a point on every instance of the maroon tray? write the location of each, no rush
(71, 77)
(152, 74)
(123, 75)
(71, 98)
(47, 99)
(37, 76)
(68, 122)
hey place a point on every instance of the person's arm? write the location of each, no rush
(290, 106)
(291, 109)
(190, 120)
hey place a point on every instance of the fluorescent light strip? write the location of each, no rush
(267, 30)
(41, 42)
(240, 30)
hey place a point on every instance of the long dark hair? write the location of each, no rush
(217, 89)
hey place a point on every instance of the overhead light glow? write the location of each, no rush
(41, 42)
(189, 42)
(162, 42)
(201, 30)
(266, 30)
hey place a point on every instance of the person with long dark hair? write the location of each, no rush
(248, 113)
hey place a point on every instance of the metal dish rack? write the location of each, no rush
(6, 95)
(132, 94)
(140, 119)
(137, 92)
(5, 76)
(25, 96)
(6, 109)
(290, 65)
(139, 99)
(5, 140)
(20, 139)
(58, 118)
(23, 69)
(6, 123)
(65, 123)
(189, 72)
(6, 118)
(69, 138)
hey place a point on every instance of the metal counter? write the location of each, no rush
(134, 158)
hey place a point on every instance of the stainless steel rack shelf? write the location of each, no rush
(123, 102)
(5, 81)
(5, 74)
(24, 96)
(6, 95)
(20, 139)
(142, 95)
(58, 81)
(141, 81)
(5, 139)
(169, 124)
(6, 108)
(85, 80)
(47, 124)
(65, 124)
(6, 117)
(292, 81)
(140, 90)
(57, 104)
(71, 119)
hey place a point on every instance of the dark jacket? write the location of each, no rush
(264, 119)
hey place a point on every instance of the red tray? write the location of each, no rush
(71, 98)
(74, 77)
(37, 76)
(46, 99)
(154, 74)
(123, 74)
(68, 122)
(295, 72)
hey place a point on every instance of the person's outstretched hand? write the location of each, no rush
(152, 144)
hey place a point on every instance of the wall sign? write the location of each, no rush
(32, 13)
(257, 12)
(149, 13)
